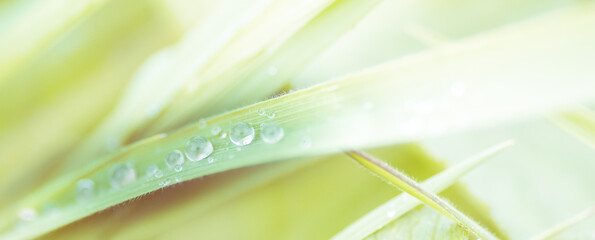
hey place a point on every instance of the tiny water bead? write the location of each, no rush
(271, 115)
(85, 190)
(211, 160)
(121, 175)
(178, 168)
(215, 130)
(28, 214)
(241, 134)
(202, 123)
(174, 158)
(154, 171)
(198, 148)
(261, 112)
(271, 132)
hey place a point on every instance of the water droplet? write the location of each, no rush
(241, 134)
(174, 158)
(261, 112)
(50, 209)
(85, 190)
(272, 70)
(457, 89)
(28, 214)
(165, 182)
(153, 171)
(121, 175)
(215, 130)
(271, 132)
(178, 168)
(391, 213)
(198, 148)
(211, 160)
(271, 115)
(223, 135)
(177, 179)
(306, 143)
(202, 123)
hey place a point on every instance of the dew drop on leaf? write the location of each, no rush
(202, 123)
(198, 148)
(271, 115)
(271, 132)
(215, 130)
(241, 134)
(178, 168)
(174, 158)
(85, 190)
(28, 214)
(121, 175)
(154, 171)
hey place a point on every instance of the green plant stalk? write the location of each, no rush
(399, 205)
(561, 227)
(408, 185)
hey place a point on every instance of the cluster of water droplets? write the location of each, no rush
(269, 114)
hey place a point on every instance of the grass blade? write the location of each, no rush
(565, 224)
(402, 203)
(408, 185)
(578, 121)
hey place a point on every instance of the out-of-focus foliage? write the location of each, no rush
(87, 86)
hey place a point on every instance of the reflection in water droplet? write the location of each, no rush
(241, 134)
(121, 175)
(84, 190)
(174, 158)
(271, 132)
(198, 148)
(215, 130)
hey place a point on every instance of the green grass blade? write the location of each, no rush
(578, 121)
(19, 44)
(386, 104)
(408, 185)
(399, 205)
(205, 84)
(554, 231)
